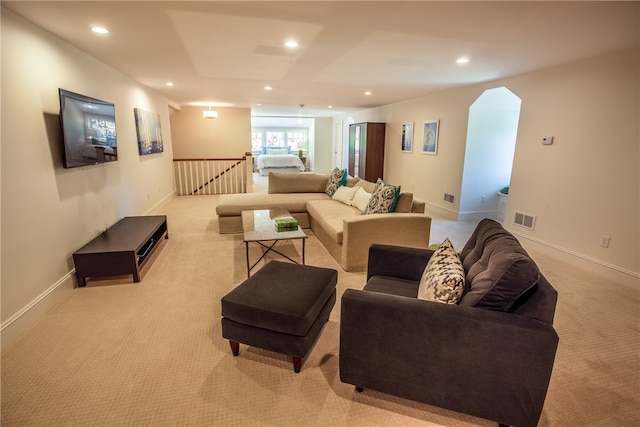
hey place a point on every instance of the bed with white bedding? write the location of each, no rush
(278, 161)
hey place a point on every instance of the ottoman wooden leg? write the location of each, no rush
(235, 347)
(297, 364)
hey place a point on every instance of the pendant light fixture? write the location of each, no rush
(210, 114)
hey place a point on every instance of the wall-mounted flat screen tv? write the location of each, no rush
(88, 130)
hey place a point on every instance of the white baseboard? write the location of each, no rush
(441, 212)
(166, 199)
(21, 322)
(477, 215)
(592, 265)
(452, 214)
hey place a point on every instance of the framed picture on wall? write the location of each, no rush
(407, 137)
(430, 137)
(149, 132)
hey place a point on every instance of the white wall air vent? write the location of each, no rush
(524, 220)
(449, 198)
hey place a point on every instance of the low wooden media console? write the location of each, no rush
(122, 249)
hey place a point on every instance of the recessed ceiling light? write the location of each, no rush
(291, 44)
(368, 93)
(462, 60)
(268, 88)
(100, 30)
(169, 84)
(329, 106)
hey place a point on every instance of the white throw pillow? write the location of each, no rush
(344, 194)
(361, 199)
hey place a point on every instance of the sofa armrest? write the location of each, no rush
(397, 261)
(485, 363)
(361, 231)
(418, 206)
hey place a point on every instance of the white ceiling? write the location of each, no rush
(224, 53)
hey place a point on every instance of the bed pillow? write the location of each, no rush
(277, 151)
(383, 199)
(344, 194)
(443, 278)
(361, 199)
(337, 178)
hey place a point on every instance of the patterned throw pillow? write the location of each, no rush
(337, 177)
(443, 277)
(383, 199)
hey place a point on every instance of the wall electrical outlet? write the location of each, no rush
(604, 241)
(547, 140)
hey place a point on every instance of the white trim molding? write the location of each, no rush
(440, 211)
(17, 325)
(595, 266)
(477, 215)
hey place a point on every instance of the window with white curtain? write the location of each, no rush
(296, 138)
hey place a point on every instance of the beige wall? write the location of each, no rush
(49, 212)
(228, 136)
(323, 134)
(583, 186)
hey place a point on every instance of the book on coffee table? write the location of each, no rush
(286, 224)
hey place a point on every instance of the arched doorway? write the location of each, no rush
(488, 160)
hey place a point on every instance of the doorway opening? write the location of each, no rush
(488, 159)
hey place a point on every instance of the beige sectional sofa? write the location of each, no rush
(343, 230)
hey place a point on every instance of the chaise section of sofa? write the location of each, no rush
(347, 234)
(230, 208)
(285, 191)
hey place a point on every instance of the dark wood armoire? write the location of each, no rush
(366, 150)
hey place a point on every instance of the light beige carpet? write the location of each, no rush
(118, 353)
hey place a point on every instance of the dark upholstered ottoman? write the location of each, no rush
(281, 308)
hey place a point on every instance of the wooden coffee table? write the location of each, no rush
(259, 227)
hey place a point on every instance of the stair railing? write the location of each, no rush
(213, 176)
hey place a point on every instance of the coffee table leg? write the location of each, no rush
(246, 245)
(303, 240)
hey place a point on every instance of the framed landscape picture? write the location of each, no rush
(430, 137)
(149, 132)
(407, 137)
